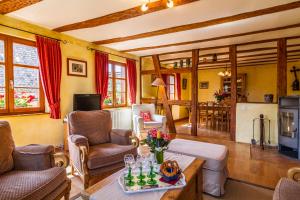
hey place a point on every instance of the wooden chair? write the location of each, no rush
(203, 114)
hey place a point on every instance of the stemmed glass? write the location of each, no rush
(129, 162)
(151, 175)
(140, 161)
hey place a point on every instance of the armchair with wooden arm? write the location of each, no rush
(95, 148)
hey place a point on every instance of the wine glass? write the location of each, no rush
(151, 174)
(129, 162)
(140, 162)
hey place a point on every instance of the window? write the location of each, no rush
(117, 85)
(171, 87)
(20, 85)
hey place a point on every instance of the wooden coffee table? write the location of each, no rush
(192, 190)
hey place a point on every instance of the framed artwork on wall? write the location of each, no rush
(204, 85)
(184, 83)
(77, 67)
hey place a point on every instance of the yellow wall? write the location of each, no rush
(41, 129)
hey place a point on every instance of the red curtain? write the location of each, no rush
(50, 71)
(101, 71)
(131, 73)
(178, 86)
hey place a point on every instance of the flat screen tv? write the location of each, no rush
(86, 102)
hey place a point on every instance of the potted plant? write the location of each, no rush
(220, 95)
(158, 143)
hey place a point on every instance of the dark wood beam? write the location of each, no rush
(233, 92)
(121, 15)
(214, 38)
(194, 105)
(203, 24)
(166, 106)
(7, 6)
(282, 67)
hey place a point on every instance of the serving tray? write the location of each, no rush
(146, 188)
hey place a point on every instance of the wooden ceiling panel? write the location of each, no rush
(7, 6)
(121, 15)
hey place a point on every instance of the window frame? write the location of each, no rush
(9, 76)
(114, 104)
(168, 84)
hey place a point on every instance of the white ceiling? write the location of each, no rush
(55, 13)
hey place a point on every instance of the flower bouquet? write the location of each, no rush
(220, 96)
(158, 143)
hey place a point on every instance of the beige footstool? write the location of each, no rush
(215, 170)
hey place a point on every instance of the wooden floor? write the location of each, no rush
(265, 168)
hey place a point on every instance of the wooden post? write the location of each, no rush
(167, 108)
(233, 61)
(281, 67)
(195, 62)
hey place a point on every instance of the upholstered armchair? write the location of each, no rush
(29, 172)
(157, 121)
(95, 148)
(288, 188)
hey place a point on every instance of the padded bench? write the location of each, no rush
(215, 171)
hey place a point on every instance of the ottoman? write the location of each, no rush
(215, 171)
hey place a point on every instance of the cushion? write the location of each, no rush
(30, 185)
(287, 189)
(94, 125)
(146, 115)
(6, 148)
(214, 154)
(107, 154)
(152, 124)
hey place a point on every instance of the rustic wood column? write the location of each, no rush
(281, 67)
(167, 108)
(194, 105)
(233, 61)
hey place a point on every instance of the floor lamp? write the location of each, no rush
(158, 82)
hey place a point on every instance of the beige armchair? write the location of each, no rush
(29, 172)
(288, 188)
(95, 148)
(139, 125)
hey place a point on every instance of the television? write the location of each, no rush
(86, 102)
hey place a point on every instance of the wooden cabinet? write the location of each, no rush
(241, 86)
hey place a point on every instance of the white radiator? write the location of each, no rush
(121, 118)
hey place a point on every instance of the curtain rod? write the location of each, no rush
(92, 49)
(63, 41)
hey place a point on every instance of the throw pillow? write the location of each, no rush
(146, 115)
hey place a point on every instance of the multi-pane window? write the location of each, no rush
(20, 86)
(171, 87)
(117, 88)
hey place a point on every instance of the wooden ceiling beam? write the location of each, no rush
(121, 15)
(241, 16)
(213, 38)
(7, 6)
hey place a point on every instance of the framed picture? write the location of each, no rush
(204, 85)
(184, 83)
(77, 67)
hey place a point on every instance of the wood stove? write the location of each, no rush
(288, 122)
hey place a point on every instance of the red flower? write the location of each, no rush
(1, 96)
(166, 137)
(153, 132)
(30, 98)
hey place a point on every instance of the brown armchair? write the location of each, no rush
(95, 148)
(288, 188)
(29, 172)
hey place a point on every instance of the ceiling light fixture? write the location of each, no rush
(170, 3)
(145, 7)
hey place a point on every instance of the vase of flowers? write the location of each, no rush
(158, 143)
(220, 95)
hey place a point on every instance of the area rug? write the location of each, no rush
(236, 190)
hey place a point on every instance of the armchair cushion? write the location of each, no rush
(33, 157)
(152, 124)
(31, 185)
(287, 189)
(120, 136)
(108, 154)
(6, 148)
(94, 125)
